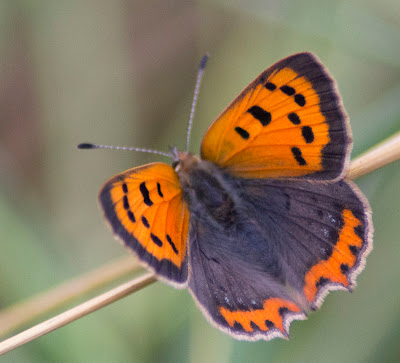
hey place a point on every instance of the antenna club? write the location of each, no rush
(86, 145)
(203, 62)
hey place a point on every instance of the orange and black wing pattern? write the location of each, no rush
(289, 122)
(145, 209)
(264, 225)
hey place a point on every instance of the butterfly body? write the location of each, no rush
(209, 193)
(263, 225)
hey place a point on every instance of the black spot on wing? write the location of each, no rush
(254, 326)
(131, 216)
(145, 222)
(260, 114)
(321, 282)
(159, 190)
(354, 250)
(156, 240)
(287, 90)
(298, 155)
(172, 244)
(145, 194)
(242, 132)
(300, 100)
(294, 118)
(269, 324)
(126, 203)
(283, 310)
(344, 267)
(359, 230)
(308, 134)
(270, 86)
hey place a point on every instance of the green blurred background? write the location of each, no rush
(122, 72)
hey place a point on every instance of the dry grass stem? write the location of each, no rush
(76, 312)
(27, 311)
(380, 155)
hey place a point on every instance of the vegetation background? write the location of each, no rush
(122, 72)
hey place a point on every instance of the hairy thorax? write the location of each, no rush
(206, 189)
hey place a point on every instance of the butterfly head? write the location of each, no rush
(183, 161)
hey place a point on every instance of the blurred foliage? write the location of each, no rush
(122, 72)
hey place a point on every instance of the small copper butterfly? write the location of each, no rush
(264, 223)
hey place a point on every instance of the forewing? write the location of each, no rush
(289, 122)
(144, 207)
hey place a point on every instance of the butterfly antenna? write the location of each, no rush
(87, 145)
(203, 63)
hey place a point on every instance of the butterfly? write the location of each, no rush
(264, 223)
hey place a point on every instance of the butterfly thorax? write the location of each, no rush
(206, 189)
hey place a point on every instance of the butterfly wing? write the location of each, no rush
(288, 122)
(144, 207)
(292, 242)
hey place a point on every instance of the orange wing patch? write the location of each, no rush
(280, 125)
(343, 259)
(145, 207)
(265, 319)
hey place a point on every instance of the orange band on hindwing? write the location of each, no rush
(270, 316)
(343, 259)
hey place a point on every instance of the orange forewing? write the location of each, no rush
(279, 126)
(145, 207)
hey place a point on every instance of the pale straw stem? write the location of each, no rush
(76, 312)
